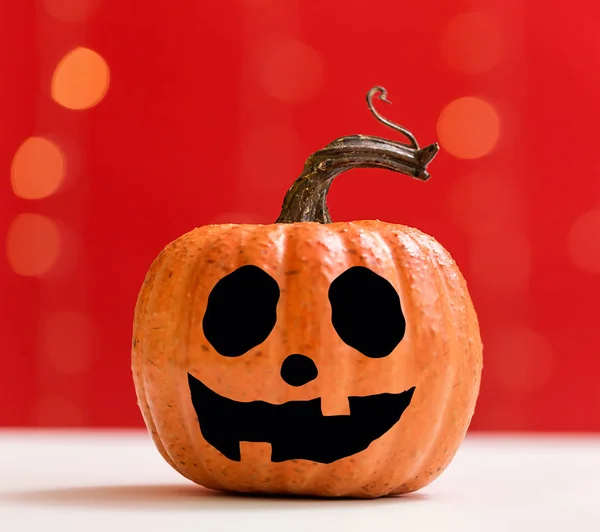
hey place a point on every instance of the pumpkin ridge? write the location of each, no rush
(144, 300)
(372, 254)
(189, 264)
(337, 254)
(296, 236)
(426, 241)
(284, 260)
(406, 260)
(397, 250)
(384, 473)
(202, 237)
(140, 385)
(427, 466)
(218, 248)
(472, 351)
(348, 243)
(471, 324)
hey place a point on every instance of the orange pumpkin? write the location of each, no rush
(305, 356)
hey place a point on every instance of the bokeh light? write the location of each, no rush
(32, 244)
(290, 71)
(520, 358)
(71, 10)
(471, 42)
(468, 127)
(66, 342)
(81, 79)
(583, 241)
(38, 168)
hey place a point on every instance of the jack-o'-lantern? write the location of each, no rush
(305, 356)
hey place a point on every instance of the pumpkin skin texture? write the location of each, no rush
(440, 354)
(345, 317)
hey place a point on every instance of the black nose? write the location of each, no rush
(297, 370)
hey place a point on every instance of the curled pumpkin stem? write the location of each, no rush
(306, 200)
(382, 92)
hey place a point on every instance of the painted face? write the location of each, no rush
(241, 313)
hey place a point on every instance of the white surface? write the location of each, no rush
(113, 482)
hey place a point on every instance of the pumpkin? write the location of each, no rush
(308, 356)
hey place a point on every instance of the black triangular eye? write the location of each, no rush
(241, 311)
(366, 312)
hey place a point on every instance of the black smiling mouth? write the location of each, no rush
(296, 429)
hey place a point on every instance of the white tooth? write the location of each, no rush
(335, 406)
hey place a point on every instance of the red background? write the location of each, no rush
(211, 111)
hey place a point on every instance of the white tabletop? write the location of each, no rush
(116, 481)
